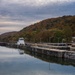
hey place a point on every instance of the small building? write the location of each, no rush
(21, 41)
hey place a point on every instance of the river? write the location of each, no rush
(29, 63)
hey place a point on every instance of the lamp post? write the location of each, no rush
(63, 40)
(58, 41)
(49, 39)
(40, 40)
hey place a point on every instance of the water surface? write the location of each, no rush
(14, 63)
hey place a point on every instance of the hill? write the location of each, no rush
(6, 36)
(49, 30)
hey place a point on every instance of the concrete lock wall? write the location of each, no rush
(69, 55)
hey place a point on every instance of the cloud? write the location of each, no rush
(20, 13)
(35, 2)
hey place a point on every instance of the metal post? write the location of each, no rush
(58, 41)
(40, 40)
(50, 39)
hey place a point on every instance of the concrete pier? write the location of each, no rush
(53, 52)
(3, 43)
(70, 54)
(48, 51)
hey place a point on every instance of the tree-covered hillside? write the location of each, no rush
(59, 29)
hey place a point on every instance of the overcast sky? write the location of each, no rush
(17, 14)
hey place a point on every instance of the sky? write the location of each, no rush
(17, 14)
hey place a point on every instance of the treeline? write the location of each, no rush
(60, 29)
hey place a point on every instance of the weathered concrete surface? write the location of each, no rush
(54, 52)
(47, 51)
(62, 46)
(70, 54)
(72, 48)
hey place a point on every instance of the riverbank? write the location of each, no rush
(47, 49)
(54, 52)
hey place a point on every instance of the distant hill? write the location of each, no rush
(6, 36)
(59, 22)
(47, 30)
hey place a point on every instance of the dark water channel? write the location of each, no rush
(30, 63)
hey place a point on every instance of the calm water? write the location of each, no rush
(13, 63)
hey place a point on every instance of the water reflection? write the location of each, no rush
(51, 58)
(21, 51)
(30, 63)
